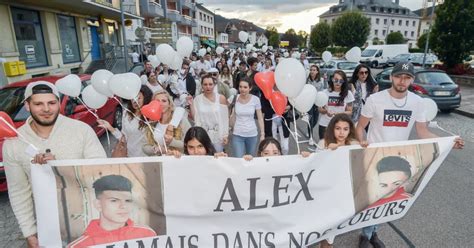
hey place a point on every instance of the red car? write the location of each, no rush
(11, 98)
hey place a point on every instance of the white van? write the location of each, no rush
(378, 55)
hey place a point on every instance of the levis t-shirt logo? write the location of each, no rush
(396, 118)
(334, 101)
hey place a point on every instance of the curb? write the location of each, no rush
(464, 113)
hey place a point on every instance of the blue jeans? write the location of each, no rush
(369, 230)
(244, 145)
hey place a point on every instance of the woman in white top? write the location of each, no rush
(362, 85)
(226, 76)
(340, 100)
(133, 127)
(210, 112)
(268, 65)
(153, 83)
(163, 130)
(245, 134)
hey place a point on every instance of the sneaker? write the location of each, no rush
(311, 142)
(364, 242)
(325, 244)
(376, 242)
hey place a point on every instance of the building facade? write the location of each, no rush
(205, 29)
(61, 37)
(386, 16)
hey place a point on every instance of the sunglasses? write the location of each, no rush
(364, 72)
(338, 81)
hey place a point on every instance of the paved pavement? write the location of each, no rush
(467, 101)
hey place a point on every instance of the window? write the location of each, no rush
(414, 23)
(407, 23)
(412, 33)
(68, 35)
(406, 33)
(399, 22)
(393, 21)
(29, 37)
(376, 32)
(212, 20)
(385, 21)
(384, 32)
(377, 20)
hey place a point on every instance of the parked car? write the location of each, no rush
(404, 57)
(377, 55)
(137, 68)
(432, 83)
(11, 102)
(417, 59)
(344, 65)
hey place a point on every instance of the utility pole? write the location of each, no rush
(124, 37)
(429, 31)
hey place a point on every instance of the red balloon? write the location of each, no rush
(266, 82)
(152, 110)
(279, 102)
(5, 130)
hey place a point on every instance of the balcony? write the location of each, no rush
(174, 16)
(151, 8)
(188, 4)
(187, 20)
(181, 34)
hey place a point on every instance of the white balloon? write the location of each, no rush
(177, 62)
(321, 99)
(209, 49)
(286, 54)
(100, 82)
(290, 77)
(354, 54)
(254, 55)
(153, 60)
(305, 100)
(431, 109)
(202, 52)
(69, 85)
(184, 46)
(161, 78)
(254, 49)
(144, 79)
(243, 36)
(92, 98)
(264, 48)
(270, 47)
(219, 50)
(327, 56)
(248, 47)
(125, 85)
(165, 53)
(233, 91)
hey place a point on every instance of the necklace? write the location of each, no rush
(396, 105)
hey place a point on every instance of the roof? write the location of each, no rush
(369, 6)
(50, 78)
(234, 26)
(419, 12)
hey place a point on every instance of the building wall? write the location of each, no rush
(205, 23)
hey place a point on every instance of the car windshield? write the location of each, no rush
(433, 78)
(402, 56)
(347, 65)
(11, 100)
(368, 52)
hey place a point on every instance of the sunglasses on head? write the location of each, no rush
(364, 72)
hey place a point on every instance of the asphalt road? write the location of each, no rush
(441, 217)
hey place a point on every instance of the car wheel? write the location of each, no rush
(374, 64)
(118, 118)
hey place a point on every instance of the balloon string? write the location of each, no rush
(435, 124)
(20, 136)
(157, 142)
(296, 130)
(126, 109)
(309, 125)
(88, 109)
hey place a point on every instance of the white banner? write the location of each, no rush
(283, 201)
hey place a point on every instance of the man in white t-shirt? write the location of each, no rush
(392, 113)
(201, 65)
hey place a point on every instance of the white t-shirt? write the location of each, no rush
(199, 66)
(154, 88)
(244, 117)
(389, 122)
(334, 106)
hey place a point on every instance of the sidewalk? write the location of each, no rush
(467, 101)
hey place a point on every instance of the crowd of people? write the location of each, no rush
(225, 114)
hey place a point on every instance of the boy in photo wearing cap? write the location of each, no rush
(392, 113)
(114, 203)
(56, 137)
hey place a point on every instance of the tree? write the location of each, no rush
(375, 41)
(421, 42)
(395, 38)
(351, 29)
(302, 38)
(273, 37)
(452, 35)
(291, 36)
(320, 37)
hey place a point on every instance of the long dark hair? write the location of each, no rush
(344, 86)
(147, 97)
(370, 80)
(267, 141)
(318, 77)
(200, 135)
(329, 136)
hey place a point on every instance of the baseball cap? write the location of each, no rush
(213, 70)
(404, 68)
(40, 87)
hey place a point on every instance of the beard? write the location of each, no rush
(400, 89)
(44, 123)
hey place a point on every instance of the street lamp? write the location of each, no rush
(125, 46)
(429, 31)
(215, 31)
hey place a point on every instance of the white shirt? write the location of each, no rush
(135, 57)
(135, 137)
(154, 88)
(388, 120)
(199, 66)
(212, 116)
(334, 106)
(244, 117)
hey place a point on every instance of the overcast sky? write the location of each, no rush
(283, 14)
